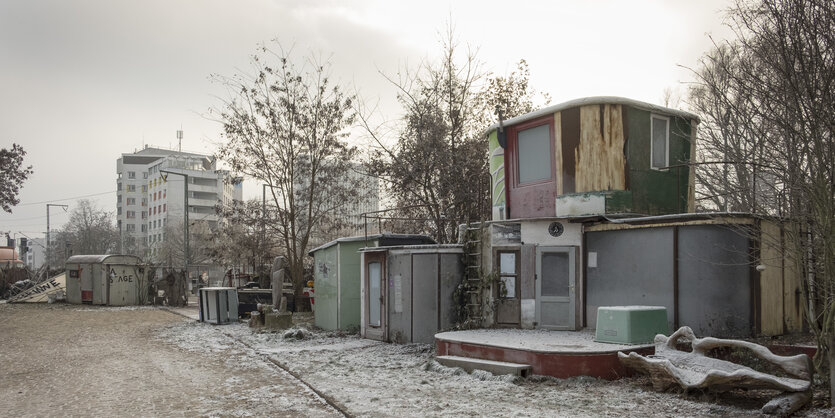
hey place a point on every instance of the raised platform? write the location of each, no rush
(550, 353)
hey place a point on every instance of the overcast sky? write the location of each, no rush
(82, 82)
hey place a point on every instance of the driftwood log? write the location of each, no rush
(671, 367)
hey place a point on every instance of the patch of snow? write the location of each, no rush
(536, 340)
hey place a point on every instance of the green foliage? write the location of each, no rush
(12, 175)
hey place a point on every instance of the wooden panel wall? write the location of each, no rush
(558, 153)
(599, 159)
(771, 280)
(792, 282)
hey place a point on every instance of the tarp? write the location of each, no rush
(40, 292)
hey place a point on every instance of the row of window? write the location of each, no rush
(159, 209)
(132, 175)
(534, 149)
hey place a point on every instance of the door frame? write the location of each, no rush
(501, 303)
(571, 299)
(375, 332)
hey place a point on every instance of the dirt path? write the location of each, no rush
(96, 361)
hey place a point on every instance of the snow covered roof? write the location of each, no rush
(593, 101)
(94, 259)
(417, 238)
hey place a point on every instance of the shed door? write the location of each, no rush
(375, 297)
(509, 293)
(86, 274)
(555, 288)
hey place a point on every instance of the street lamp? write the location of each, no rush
(48, 261)
(185, 216)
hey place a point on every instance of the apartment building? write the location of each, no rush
(152, 187)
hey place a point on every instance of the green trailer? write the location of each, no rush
(337, 277)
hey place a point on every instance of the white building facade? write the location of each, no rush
(152, 184)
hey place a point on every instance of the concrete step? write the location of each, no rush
(495, 367)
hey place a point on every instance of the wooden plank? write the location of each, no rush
(599, 160)
(792, 281)
(771, 279)
(570, 141)
(714, 221)
(691, 180)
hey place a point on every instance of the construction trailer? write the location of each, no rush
(593, 205)
(116, 280)
(337, 277)
(408, 292)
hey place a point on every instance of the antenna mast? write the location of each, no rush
(180, 140)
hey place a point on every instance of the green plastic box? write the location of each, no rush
(630, 324)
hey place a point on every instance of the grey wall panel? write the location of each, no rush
(399, 306)
(634, 267)
(424, 297)
(452, 271)
(714, 281)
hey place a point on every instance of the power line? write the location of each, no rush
(68, 198)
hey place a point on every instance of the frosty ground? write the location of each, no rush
(72, 360)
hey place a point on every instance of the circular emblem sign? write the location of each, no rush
(555, 229)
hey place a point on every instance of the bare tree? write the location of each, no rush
(90, 230)
(437, 172)
(12, 175)
(767, 99)
(285, 125)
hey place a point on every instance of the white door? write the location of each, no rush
(555, 288)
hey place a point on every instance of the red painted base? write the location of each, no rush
(556, 364)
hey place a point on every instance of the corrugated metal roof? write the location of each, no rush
(592, 101)
(93, 259)
(416, 237)
(418, 248)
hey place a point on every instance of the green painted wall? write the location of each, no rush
(497, 172)
(349, 270)
(325, 284)
(337, 283)
(656, 192)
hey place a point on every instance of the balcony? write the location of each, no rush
(202, 202)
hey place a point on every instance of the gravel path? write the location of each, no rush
(98, 361)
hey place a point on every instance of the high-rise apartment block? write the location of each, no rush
(152, 183)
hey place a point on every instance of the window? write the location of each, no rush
(144, 188)
(534, 150)
(374, 284)
(119, 210)
(144, 201)
(660, 144)
(144, 227)
(130, 227)
(145, 175)
(131, 187)
(131, 175)
(131, 201)
(144, 215)
(507, 273)
(131, 214)
(163, 207)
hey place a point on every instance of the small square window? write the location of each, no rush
(508, 274)
(534, 148)
(660, 141)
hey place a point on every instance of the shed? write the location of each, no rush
(408, 291)
(337, 277)
(117, 280)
